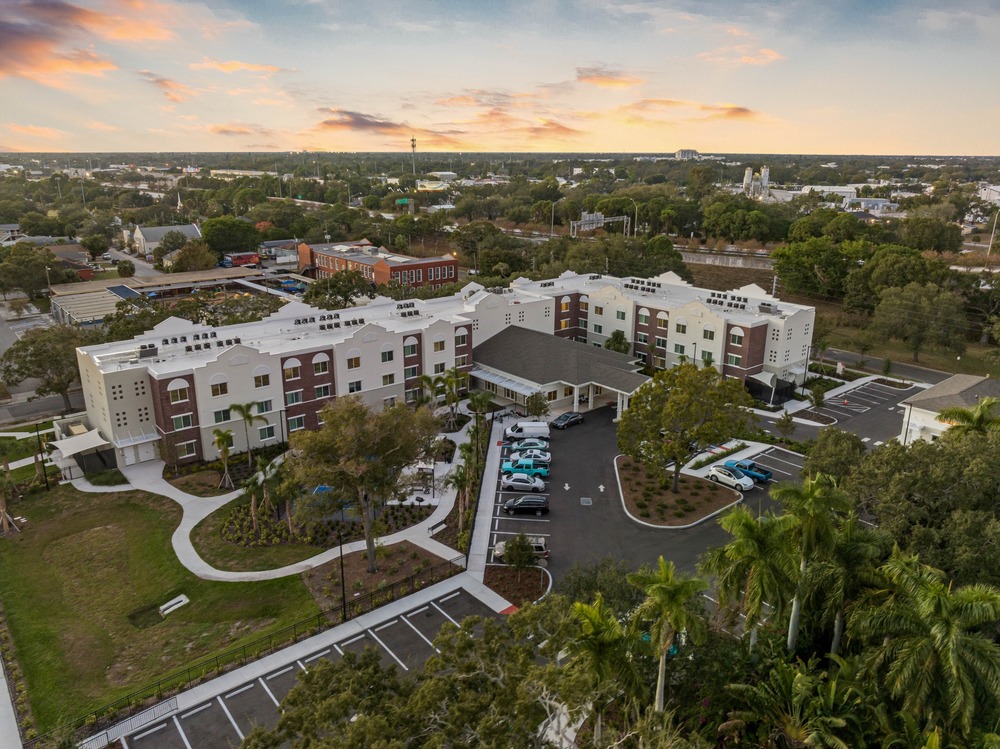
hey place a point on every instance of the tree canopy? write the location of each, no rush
(339, 291)
(49, 355)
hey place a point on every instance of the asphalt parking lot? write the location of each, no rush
(871, 411)
(405, 641)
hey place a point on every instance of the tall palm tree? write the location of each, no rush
(453, 381)
(246, 412)
(929, 643)
(6, 449)
(840, 578)
(755, 568)
(603, 647)
(979, 419)
(460, 479)
(815, 504)
(669, 603)
(222, 441)
(432, 387)
(479, 403)
(252, 489)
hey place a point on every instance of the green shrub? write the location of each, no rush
(111, 477)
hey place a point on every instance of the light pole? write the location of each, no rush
(48, 282)
(635, 226)
(994, 232)
(343, 588)
(552, 218)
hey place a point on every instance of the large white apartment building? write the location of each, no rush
(164, 393)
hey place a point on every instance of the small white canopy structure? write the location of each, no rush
(79, 443)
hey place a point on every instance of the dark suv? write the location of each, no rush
(535, 505)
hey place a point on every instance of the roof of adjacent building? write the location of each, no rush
(542, 358)
(156, 233)
(958, 391)
(369, 254)
(159, 281)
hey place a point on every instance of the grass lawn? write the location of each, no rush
(83, 564)
(25, 473)
(24, 447)
(221, 554)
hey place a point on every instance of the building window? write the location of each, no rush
(438, 346)
(292, 373)
(598, 328)
(564, 307)
(180, 395)
(220, 388)
(679, 349)
(584, 306)
(321, 367)
(386, 356)
(388, 379)
(564, 325)
(681, 328)
(293, 397)
(439, 368)
(182, 422)
(643, 319)
(642, 338)
(412, 395)
(451, 271)
(552, 395)
(322, 391)
(354, 362)
(409, 373)
(185, 449)
(662, 323)
(261, 381)
(620, 314)
(708, 335)
(461, 339)
(265, 433)
(389, 402)
(598, 309)
(706, 356)
(354, 387)
(734, 360)
(661, 342)
(736, 339)
(410, 349)
(263, 407)
(296, 424)
(221, 415)
(462, 361)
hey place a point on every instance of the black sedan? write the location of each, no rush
(566, 420)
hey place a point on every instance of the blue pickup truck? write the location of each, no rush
(525, 465)
(757, 473)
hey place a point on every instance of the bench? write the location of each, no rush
(436, 527)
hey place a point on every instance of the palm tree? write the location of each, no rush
(6, 448)
(223, 439)
(755, 567)
(929, 643)
(978, 419)
(479, 403)
(840, 578)
(431, 386)
(814, 504)
(604, 648)
(453, 381)
(669, 604)
(461, 481)
(7, 488)
(246, 413)
(252, 488)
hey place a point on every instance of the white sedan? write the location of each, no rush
(539, 456)
(521, 482)
(532, 443)
(734, 478)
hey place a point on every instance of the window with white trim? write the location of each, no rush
(681, 328)
(220, 388)
(354, 362)
(679, 349)
(182, 422)
(185, 449)
(180, 395)
(438, 346)
(354, 387)
(265, 433)
(734, 360)
(643, 319)
(410, 349)
(261, 381)
(387, 356)
(293, 397)
(293, 372)
(598, 328)
(439, 368)
(296, 424)
(221, 415)
(388, 379)
(736, 339)
(321, 367)
(461, 339)
(642, 338)
(661, 342)
(708, 335)
(322, 391)
(410, 372)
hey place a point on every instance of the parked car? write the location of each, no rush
(539, 456)
(530, 467)
(523, 429)
(521, 482)
(533, 505)
(532, 443)
(734, 478)
(757, 473)
(106, 256)
(566, 420)
(538, 545)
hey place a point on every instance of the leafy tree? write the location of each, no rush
(519, 553)
(361, 454)
(95, 245)
(835, 454)
(247, 413)
(453, 381)
(223, 440)
(227, 234)
(927, 233)
(681, 412)
(816, 266)
(926, 644)
(126, 269)
(607, 576)
(618, 342)
(461, 480)
(536, 405)
(339, 291)
(133, 317)
(815, 504)
(980, 418)
(754, 568)
(785, 425)
(49, 355)
(670, 605)
(194, 255)
(172, 241)
(921, 315)
(817, 396)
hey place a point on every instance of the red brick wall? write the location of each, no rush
(164, 411)
(307, 383)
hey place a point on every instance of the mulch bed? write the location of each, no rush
(520, 587)
(202, 484)
(648, 495)
(894, 383)
(810, 415)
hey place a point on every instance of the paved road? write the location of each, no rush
(142, 268)
(913, 372)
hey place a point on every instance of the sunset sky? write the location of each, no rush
(840, 76)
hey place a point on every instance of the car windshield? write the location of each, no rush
(736, 472)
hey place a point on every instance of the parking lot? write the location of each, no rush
(871, 411)
(405, 641)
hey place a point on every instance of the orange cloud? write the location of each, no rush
(33, 56)
(606, 78)
(233, 66)
(36, 131)
(141, 22)
(103, 126)
(741, 54)
(349, 121)
(728, 112)
(238, 129)
(172, 90)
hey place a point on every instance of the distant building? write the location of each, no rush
(686, 154)
(990, 193)
(145, 239)
(9, 233)
(377, 264)
(920, 416)
(875, 205)
(444, 176)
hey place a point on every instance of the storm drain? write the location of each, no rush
(586, 501)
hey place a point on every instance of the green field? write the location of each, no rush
(83, 564)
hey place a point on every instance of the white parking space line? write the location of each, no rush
(317, 656)
(505, 516)
(124, 743)
(197, 710)
(389, 623)
(795, 465)
(866, 439)
(151, 731)
(302, 665)
(450, 596)
(241, 690)
(282, 672)
(516, 533)
(522, 494)
(338, 648)
(443, 612)
(879, 442)
(231, 719)
(353, 639)
(407, 620)
(388, 650)
(269, 693)
(866, 398)
(180, 730)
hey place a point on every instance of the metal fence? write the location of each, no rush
(143, 701)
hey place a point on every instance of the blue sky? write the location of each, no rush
(878, 77)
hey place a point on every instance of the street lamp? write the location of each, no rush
(552, 218)
(635, 226)
(48, 282)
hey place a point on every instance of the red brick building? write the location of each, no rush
(376, 264)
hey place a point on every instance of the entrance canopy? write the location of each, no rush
(505, 382)
(79, 443)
